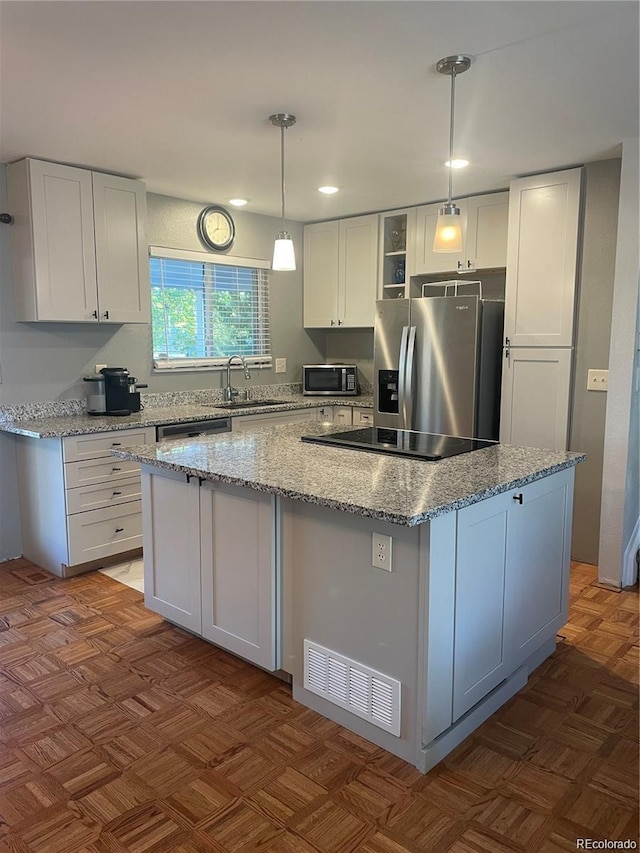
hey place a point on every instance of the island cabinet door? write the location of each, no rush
(538, 560)
(171, 547)
(480, 653)
(238, 571)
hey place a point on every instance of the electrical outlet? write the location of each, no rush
(598, 380)
(281, 365)
(99, 367)
(381, 551)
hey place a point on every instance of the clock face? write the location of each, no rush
(216, 228)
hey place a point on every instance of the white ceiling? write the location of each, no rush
(179, 94)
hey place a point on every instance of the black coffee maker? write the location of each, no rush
(121, 394)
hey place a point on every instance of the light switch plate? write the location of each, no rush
(281, 365)
(598, 380)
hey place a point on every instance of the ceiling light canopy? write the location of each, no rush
(283, 253)
(448, 236)
(328, 190)
(238, 202)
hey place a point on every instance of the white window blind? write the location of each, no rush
(205, 310)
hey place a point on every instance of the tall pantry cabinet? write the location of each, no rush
(540, 302)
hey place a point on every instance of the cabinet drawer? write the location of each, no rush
(342, 415)
(103, 532)
(93, 471)
(363, 416)
(86, 498)
(100, 444)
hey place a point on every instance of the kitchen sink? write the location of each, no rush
(247, 404)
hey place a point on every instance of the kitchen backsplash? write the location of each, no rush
(65, 408)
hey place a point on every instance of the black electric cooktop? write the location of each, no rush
(401, 442)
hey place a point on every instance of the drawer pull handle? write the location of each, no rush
(116, 469)
(116, 493)
(518, 498)
(119, 529)
(116, 443)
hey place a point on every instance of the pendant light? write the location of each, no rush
(283, 254)
(448, 236)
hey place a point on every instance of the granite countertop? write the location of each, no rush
(58, 426)
(395, 489)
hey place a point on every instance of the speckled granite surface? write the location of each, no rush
(171, 412)
(398, 490)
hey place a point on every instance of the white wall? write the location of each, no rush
(621, 471)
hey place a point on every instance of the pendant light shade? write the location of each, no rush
(448, 235)
(284, 258)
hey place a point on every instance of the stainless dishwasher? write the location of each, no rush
(192, 429)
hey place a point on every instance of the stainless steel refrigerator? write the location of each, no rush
(437, 365)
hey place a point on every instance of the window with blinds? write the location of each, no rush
(204, 310)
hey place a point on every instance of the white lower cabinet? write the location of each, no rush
(535, 401)
(325, 414)
(511, 583)
(237, 576)
(342, 415)
(362, 417)
(210, 563)
(171, 531)
(79, 504)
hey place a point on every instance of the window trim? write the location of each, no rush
(203, 364)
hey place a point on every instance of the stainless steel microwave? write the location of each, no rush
(329, 379)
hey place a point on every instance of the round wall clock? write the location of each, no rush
(216, 228)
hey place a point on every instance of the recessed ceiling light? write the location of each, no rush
(328, 190)
(457, 164)
(238, 202)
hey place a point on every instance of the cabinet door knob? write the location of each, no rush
(469, 265)
(460, 265)
(339, 322)
(518, 498)
(333, 322)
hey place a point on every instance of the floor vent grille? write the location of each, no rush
(363, 691)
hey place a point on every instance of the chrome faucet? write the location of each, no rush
(230, 392)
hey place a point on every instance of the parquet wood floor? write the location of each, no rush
(119, 732)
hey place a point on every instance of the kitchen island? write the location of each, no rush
(406, 599)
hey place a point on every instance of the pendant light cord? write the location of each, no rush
(282, 169)
(453, 101)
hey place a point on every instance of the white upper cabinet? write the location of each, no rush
(542, 258)
(321, 274)
(340, 272)
(487, 226)
(78, 243)
(484, 236)
(122, 252)
(357, 270)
